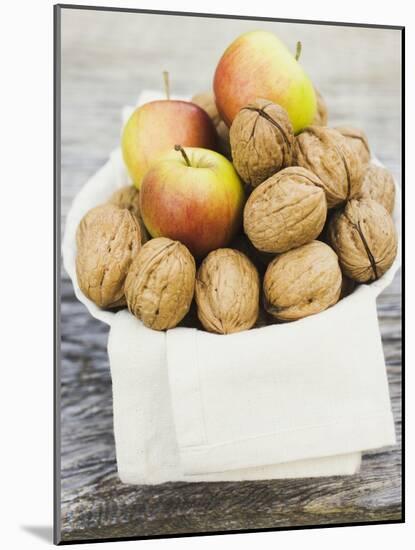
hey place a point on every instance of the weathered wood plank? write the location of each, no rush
(107, 59)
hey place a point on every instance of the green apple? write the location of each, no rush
(194, 196)
(157, 126)
(258, 64)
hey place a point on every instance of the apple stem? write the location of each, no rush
(166, 84)
(298, 51)
(183, 152)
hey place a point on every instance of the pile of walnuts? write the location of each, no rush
(317, 221)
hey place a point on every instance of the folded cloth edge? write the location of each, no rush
(342, 430)
(146, 444)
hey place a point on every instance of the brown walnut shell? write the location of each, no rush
(287, 210)
(129, 197)
(160, 284)
(364, 237)
(302, 282)
(227, 292)
(206, 100)
(358, 140)
(261, 139)
(379, 185)
(108, 239)
(321, 117)
(327, 153)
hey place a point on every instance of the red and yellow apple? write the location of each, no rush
(157, 126)
(258, 64)
(194, 196)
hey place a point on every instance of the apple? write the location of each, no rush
(194, 196)
(157, 126)
(257, 64)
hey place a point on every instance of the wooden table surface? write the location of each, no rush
(107, 59)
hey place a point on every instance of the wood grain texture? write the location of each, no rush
(107, 58)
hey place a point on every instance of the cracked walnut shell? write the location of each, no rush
(379, 185)
(108, 239)
(327, 153)
(358, 140)
(227, 292)
(160, 284)
(287, 210)
(365, 239)
(261, 139)
(129, 197)
(302, 282)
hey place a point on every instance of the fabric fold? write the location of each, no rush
(283, 393)
(145, 435)
(189, 408)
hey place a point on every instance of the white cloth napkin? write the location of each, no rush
(148, 438)
(314, 388)
(291, 400)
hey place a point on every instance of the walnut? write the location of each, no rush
(129, 197)
(261, 138)
(358, 140)
(327, 153)
(378, 184)
(108, 239)
(302, 282)
(160, 284)
(321, 117)
(227, 292)
(287, 210)
(206, 100)
(364, 237)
